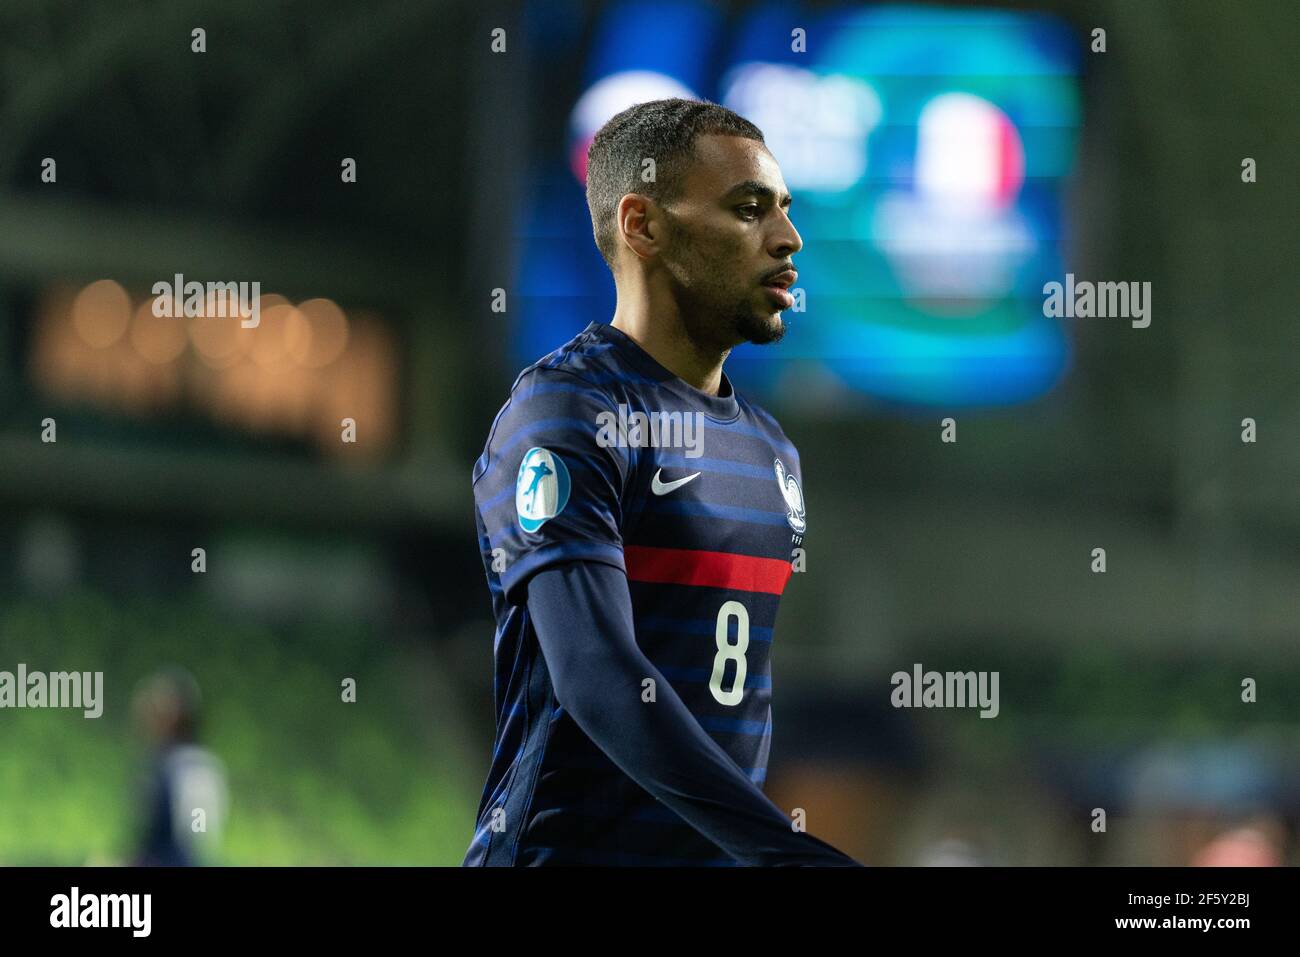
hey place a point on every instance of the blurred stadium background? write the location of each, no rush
(947, 159)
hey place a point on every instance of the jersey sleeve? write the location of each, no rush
(549, 485)
(582, 613)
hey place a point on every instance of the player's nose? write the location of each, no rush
(785, 240)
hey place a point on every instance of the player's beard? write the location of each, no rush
(712, 310)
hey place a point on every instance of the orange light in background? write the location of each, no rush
(270, 340)
(327, 334)
(297, 373)
(135, 381)
(156, 340)
(296, 393)
(56, 347)
(217, 339)
(268, 301)
(223, 386)
(231, 392)
(361, 388)
(100, 313)
(297, 339)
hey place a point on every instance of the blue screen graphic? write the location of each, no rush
(928, 150)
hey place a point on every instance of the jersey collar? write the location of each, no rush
(723, 407)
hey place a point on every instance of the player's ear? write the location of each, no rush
(639, 224)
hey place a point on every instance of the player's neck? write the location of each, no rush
(668, 343)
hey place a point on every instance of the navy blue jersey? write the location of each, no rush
(603, 455)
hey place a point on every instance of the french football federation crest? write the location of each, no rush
(793, 496)
(541, 488)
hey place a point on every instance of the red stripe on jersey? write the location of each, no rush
(684, 566)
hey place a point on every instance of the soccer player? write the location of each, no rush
(636, 561)
(183, 775)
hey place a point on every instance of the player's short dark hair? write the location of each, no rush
(173, 690)
(662, 130)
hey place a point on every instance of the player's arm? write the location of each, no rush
(582, 613)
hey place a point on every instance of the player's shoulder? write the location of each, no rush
(580, 365)
(571, 383)
(573, 380)
(768, 426)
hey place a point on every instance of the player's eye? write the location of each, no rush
(748, 211)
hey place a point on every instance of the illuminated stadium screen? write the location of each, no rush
(927, 150)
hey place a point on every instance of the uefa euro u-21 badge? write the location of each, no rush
(541, 488)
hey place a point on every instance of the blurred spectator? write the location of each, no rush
(185, 792)
(1257, 843)
(949, 852)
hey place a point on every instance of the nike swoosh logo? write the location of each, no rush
(663, 488)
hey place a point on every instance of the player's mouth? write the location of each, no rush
(778, 287)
